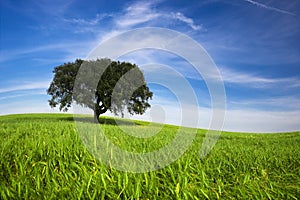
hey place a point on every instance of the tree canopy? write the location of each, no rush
(100, 85)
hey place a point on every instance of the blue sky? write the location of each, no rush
(255, 45)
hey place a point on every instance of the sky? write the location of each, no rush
(255, 45)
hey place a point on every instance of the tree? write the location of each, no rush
(100, 85)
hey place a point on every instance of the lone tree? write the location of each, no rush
(100, 85)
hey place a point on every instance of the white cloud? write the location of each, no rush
(159, 39)
(144, 12)
(152, 59)
(87, 22)
(32, 106)
(261, 121)
(252, 80)
(87, 25)
(189, 21)
(23, 94)
(69, 49)
(137, 13)
(26, 86)
(239, 120)
(269, 7)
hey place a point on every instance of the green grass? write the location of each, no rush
(42, 157)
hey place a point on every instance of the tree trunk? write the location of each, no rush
(98, 110)
(96, 117)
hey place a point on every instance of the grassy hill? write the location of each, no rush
(42, 157)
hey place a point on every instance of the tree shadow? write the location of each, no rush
(107, 121)
(68, 118)
(24, 118)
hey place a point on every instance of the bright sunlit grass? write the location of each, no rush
(42, 157)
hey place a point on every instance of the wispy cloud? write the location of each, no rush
(136, 14)
(26, 86)
(269, 7)
(252, 80)
(255, 120)
(87, 25)
(23, 94)
(189, 21)
(86, 22)
(32, 106)
(144, 12)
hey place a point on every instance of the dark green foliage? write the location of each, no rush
(100, 85)
(61, 87)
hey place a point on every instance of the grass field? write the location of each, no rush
(42, 157)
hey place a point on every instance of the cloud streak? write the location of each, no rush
(189, 21)
(252, 80)
(26, 86)
(69, 49)
(42, 92)
(143, 12)
(269, 7)
(86, 22)
(136, 14)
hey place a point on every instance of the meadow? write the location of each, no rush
(42, 157)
